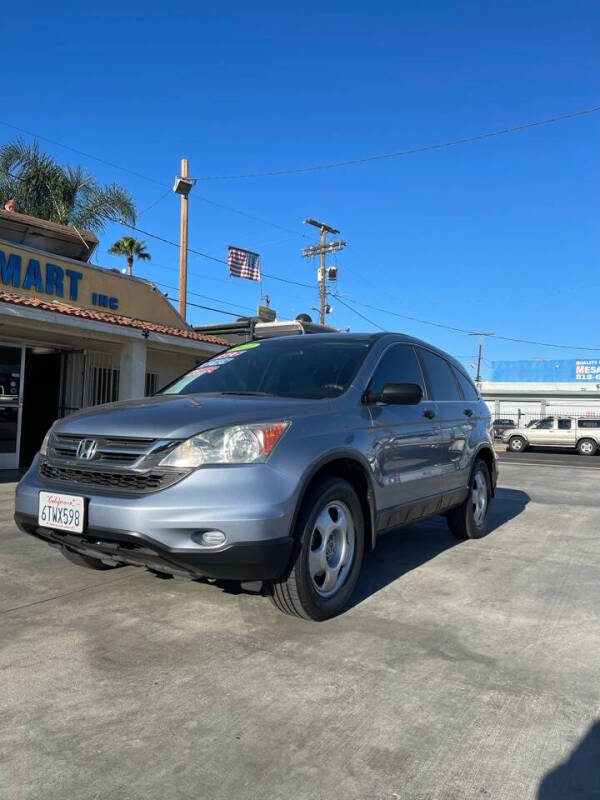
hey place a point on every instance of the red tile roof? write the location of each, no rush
(105, 316)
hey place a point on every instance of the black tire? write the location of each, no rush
(461, 520)
(587, 447)
(299, 595)
(516, 444)
(86, 561)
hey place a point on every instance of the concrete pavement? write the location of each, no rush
(467, 670)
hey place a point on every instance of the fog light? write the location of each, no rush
(210, 538)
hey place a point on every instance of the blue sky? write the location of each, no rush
(500, 235)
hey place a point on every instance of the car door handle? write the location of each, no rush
(469, 412)
(429, 413)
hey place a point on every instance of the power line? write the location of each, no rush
(156, 202)
(401, 316)
(206, 297)
(204, 255)
(206, 308)
(352, 300)
(149, 179)
(370, 321)
(189, 249)
(412, 151)
(461, 330)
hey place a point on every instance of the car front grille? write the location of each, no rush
(110, 450)
(127, 481)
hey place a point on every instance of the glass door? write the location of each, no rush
(11, 402)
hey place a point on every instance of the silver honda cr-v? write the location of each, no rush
(276, 464)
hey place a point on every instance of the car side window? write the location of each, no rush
(564, 424)
(468, 390)
(440, 378)
(546, 424)
(397, 365)
(588, 423)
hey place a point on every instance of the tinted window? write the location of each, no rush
(564, 424)
(588, 423)
(291, 366)
(397, 365)
(545, 424)
(440, 378)
(468, 390)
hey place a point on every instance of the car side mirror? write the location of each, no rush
(398, 394)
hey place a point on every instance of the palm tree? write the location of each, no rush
(67, 195)
(130, 248)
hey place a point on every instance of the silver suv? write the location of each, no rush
(582, 433)
(277, 463)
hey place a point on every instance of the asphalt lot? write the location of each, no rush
(467, 670)
(550, 456)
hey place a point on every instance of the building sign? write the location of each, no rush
(587, 370)
(547, 371)
(44, 277)
(31, 272)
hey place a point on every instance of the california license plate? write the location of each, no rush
(63, 512)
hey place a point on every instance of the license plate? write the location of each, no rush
(64, 512)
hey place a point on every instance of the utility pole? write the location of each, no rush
(183, 186)
(322, 249)
(481, 335)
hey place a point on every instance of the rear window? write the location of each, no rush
(440, 377)
(588, 423)
(468, 389)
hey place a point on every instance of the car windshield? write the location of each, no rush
(299, 366)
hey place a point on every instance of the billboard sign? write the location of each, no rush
(550, 371)
(588, 370)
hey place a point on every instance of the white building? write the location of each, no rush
(530, 389)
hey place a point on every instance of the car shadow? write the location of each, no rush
(407, 548)
(579, 775)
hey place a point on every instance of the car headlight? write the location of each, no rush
(235, 444)
(45, 440)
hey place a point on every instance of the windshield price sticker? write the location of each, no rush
(219, 361)
(63, 512)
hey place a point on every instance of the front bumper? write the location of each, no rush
(253, 507)
(244, 561)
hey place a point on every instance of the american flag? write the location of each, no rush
(243, 264)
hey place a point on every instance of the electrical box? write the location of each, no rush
(332, 273)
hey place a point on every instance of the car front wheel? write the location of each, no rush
(517, 444)
(330, 535)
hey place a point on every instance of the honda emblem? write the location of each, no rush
(86, 449)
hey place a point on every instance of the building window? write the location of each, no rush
(104, 385)
(151, 383)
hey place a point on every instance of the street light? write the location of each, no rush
(183, 186)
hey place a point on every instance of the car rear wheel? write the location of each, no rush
(587, 447)
(330, 544)
(469, 520)
(86, 561)
(517, 444)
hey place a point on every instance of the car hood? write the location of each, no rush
(181, 416)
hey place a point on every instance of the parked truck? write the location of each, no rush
(580, 433)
